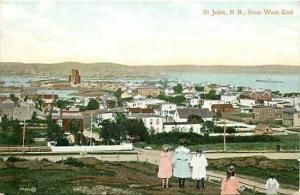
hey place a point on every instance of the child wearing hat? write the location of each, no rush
(165, 166)
(230, 184)
(199, 164)
(181, 162)
(272, 185)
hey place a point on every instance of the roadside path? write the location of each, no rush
(151, 156)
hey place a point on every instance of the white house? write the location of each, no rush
(208, 103)
(167, 108)
(126, 95)
(169, 91)
(293, 100)
(247, 102)
(144, 103)
(277, 103)
(229, 99)
(183, 127)
(105, 115)
(181, 115)
(194, 102)
(153, 122)
(189, 90)
(222, 89)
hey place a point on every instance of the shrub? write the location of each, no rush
(45, 160)
(71, 161)
(6, 139)
(15, 159)
(194, 138)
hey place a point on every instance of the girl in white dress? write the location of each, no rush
(199, 164)
(272, 185)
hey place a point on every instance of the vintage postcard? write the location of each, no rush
(130, 97)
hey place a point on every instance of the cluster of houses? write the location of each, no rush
(141, 101)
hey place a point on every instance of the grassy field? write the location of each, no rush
(260, 168)
(287, 142)
(89, 176)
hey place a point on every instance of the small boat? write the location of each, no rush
(268, 81)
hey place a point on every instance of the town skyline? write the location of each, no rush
(148, 33)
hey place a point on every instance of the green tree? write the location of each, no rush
(208, 127)
(229, 130)
(17, 132)
(118, 93)
(13, 98)
(239, 89)
(178, 100)
(74, 129)
(195, 118)
(62, 103)
(74, 126)
(55, 132)
(178, 89)
(136, 129)
(34, 116)
(5, 123)
(162, 96)
(93, 104)
(199, 88)
(122, 128)
(38, 104)
(121, 122)
(107, 130)
(210, 95)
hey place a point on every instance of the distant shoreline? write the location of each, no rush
(113, 70)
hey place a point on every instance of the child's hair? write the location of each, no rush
(199, 151)
(272, 176)
(182, 142)
(230, 172)
(166, 148)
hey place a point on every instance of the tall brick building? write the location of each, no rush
(75, 77)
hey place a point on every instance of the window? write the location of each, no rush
(157, 121)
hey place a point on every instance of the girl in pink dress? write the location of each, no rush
(230, 184)
(165, 166)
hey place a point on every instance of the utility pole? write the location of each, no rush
(299, 167)
(224, 135)
(91, 129)
(24, 129)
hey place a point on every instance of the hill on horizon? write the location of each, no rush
(113, 70)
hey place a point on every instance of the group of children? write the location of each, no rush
(183, 166)
(180, 166)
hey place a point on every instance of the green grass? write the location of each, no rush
(285, 177)
(112, 174)
(46, 182)
(287, 142)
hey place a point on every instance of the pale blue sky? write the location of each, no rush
(148, 32)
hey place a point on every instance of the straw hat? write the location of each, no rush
(231, 169)
(166, 147)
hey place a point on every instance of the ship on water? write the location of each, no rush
(268, 81)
